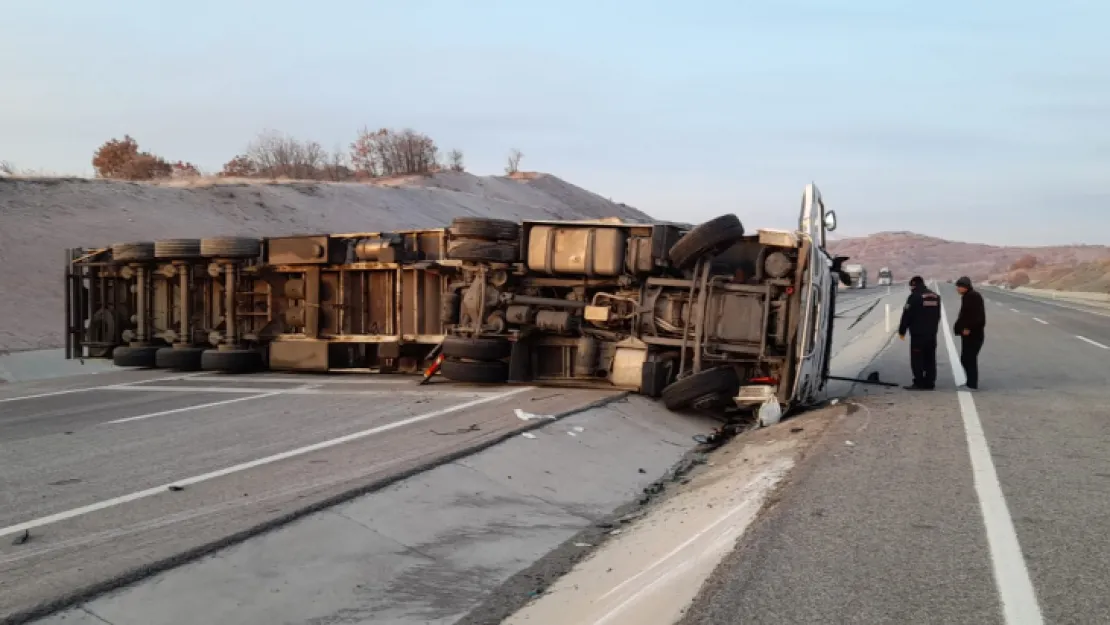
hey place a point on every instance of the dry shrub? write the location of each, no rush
(1025, 262)
(385, 152)
(1019, 278)
(120, 159)
(185, 170)
(239, 167)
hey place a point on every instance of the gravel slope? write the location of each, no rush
(41, 217)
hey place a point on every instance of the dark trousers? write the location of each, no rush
(923, 361)
(969, 357)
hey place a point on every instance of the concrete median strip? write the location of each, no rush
(158, 490)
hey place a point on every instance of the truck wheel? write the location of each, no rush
(179, 358)
(177, 248)
(483, 228)
(683, 393)
(480, 348)
(231, 361)
(474, 372)
(713, 236)
(126, 252)
(484, 251)
(230, 247)
(143, 357)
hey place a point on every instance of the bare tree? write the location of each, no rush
(514, 161)
(336, 168)
(455, 160)
(276, 155)
(7, 168)
(386, 152)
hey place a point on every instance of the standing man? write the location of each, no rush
(921, 317)
(970, 325)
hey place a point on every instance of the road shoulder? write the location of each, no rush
(650, 569)
(880, 524)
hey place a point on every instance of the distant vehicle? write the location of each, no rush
(858, 276)
(886, 278)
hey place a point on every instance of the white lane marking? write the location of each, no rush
(1056, 303)
(305, 390)
(307, 379)
(188, 408)
(1011, 577)
(1015, 310)
(1039, 320)
(99, 388)
(1095, 343)
(285, 455)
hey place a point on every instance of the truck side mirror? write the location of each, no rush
(830, 221)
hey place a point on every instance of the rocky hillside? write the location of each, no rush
(41, 217)
(906, 254)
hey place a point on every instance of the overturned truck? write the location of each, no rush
(705, 316)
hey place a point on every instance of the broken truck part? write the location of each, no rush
(705, 316)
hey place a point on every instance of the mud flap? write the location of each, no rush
(520, 358)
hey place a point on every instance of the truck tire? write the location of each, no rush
(483, 228)
(230, 247)
(480, 348)
(713, 236)
(683, 393)
(127, 252)
(142, 357)
(231, 361)
(474, 372)
(179, 358)
(484, 251)
(177, 248)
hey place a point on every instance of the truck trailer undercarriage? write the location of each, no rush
(708, 316)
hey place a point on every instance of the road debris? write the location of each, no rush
(528, 416)
(473, 428)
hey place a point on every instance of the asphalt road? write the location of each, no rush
(105, 476)
(904, 513)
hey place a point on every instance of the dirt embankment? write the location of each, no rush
(39, 218)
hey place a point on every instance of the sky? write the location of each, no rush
(976, 121)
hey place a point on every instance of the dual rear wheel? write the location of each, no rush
(480, 360)
(188, 358)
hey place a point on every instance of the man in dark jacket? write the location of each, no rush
(969, 326)
(921, 318)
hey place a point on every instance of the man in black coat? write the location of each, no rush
(969, 326)
(921, 318)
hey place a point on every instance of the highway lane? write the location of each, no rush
(887, 522)
(86, 465)
(86, 462)
(1091, 324)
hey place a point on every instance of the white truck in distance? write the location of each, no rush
(886, 278)
(858, 276)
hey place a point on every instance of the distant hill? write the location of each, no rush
(1075, 267)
